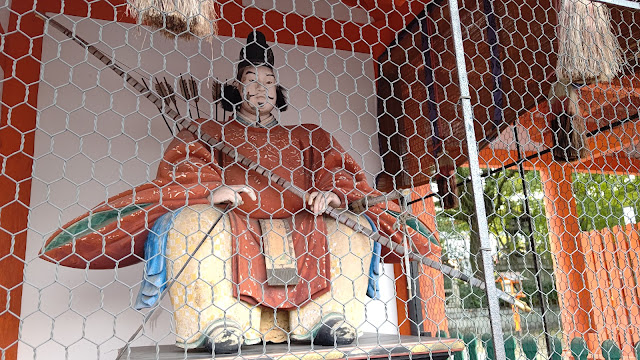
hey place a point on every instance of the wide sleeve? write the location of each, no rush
(335, 170)
(113, 233)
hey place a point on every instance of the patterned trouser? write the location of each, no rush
(203, 298)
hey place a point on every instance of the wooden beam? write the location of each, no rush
(614, 164)
(607, 102)
(402, 299)
(536, 124)
(283, 28)
(614, 140)
(599, 145)
(601, 104)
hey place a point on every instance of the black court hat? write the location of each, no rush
(257, 52)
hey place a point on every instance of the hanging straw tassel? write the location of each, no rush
(569, 129)
(588, 51)
(184, 18)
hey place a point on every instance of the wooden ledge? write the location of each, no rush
(368, 346)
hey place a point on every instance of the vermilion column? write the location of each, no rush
(431, 282)
(22, 47)
(564, 241)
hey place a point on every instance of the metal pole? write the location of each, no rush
(532, 243)
(476, 181)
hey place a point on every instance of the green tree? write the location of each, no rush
(507, 223)
(506, 219)
(600, 199)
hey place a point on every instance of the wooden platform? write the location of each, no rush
(367, 346)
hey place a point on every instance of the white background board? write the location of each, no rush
(96, 138)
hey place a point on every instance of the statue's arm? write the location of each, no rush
(335, 170)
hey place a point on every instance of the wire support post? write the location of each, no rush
(537, 261)
(476, 176)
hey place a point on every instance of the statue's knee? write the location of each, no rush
(360, 243)
(191, 227)
(199, 218)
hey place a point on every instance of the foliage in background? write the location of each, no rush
(506, 218)
(474, 298)
(600, 199)
(508, 228)
(548, 292)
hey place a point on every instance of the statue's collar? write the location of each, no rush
(268, 122)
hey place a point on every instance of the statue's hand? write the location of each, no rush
(319, 200)
(231, 194)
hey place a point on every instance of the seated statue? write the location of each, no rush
(226, 295)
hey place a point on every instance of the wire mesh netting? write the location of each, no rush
(319, 179)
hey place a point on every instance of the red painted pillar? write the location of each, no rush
(21, 51)
(431, 282)
(569, 261)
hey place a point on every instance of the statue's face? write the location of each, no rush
(258, 88)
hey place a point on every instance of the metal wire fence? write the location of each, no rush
(319, 179)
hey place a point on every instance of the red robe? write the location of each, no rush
(305, 155)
